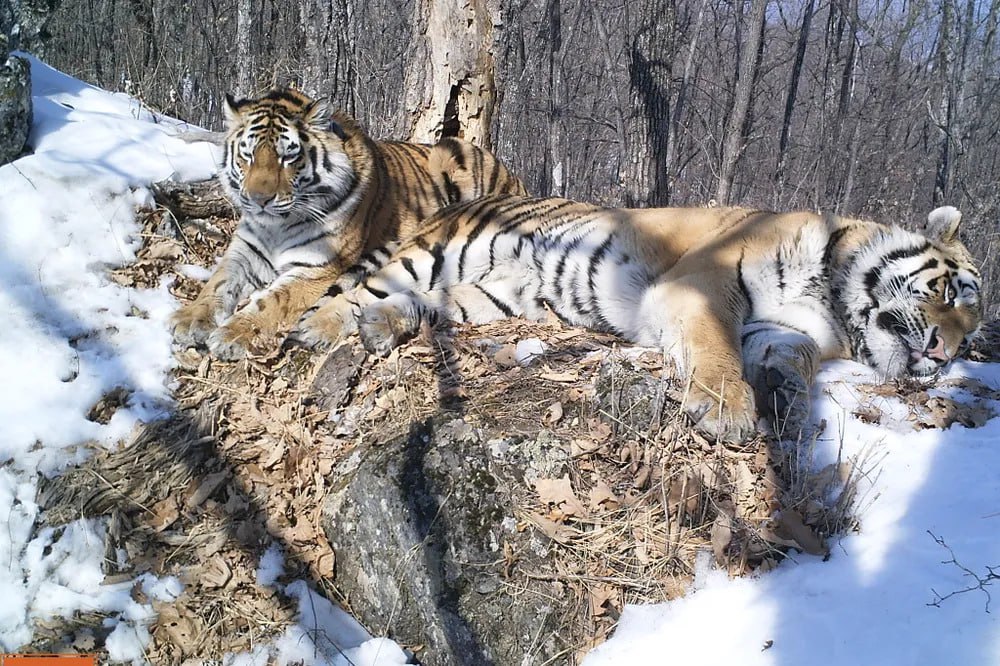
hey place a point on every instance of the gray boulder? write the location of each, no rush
(425, 537)
(15, 105)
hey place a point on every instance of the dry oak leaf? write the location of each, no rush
(601, 494)
(165, 513)
(554, 413)
(215, 573)
(600, 595)
(182, 627)
(555, 531)
(559, 492)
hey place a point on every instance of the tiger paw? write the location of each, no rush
(783, 399)
(733, 422)
(193, 324)
(383, 327)
(325, 324)
(240, 336)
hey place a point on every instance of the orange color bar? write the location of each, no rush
(48, 660)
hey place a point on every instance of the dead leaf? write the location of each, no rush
(560, 376)
(555, 531)
(642, 477)
(722, 533)
(506, 356)
(868, 414)
(601, 494)
(181, 626)
(554, 413)
(559, 493)
(794, 532)
(600, 595)
(215, 573)
(165, 248)
(165, 513)
(685, 494)
(208, 485)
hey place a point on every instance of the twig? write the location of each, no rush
(982, 582)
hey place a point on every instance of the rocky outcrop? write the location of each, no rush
(425, 536)
(15, 104)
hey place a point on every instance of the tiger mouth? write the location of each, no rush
(933, 350)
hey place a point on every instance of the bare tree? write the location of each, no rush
(732, 143)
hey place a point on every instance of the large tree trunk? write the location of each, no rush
(644, 170)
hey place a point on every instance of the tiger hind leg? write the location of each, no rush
(780, 364)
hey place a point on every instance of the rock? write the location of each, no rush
(15, 107)
(425, 537)
(630, 397)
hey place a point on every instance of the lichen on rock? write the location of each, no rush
(15, 105)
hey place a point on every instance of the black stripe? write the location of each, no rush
(929, 264)
(497, 303)
(312, 239)
(595, 260)
(257, 251)
(408, 265)
(377, 293)
(438, 253)
(875, 273)
(299, 264)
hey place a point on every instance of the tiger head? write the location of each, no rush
(284, 156)
(914, 302)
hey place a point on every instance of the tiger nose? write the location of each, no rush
(260, 198)
(936, 349)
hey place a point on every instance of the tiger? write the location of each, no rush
(746, 303)
(316, 195)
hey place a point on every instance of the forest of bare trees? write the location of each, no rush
(879, 108)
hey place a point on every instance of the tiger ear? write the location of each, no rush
(231, 109)
(943, 223)
(317, 114)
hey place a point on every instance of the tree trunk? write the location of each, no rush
(732, 145)
(244, 50)
(644, 170)
(793, 88)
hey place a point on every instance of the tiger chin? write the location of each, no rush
(315, 195)
(747, 303)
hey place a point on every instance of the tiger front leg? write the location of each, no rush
(780, 364)
(330, 320)
(697, 329)
(193, 323)
(261, 326)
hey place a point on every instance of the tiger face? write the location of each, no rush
(283, 156)
(919, 301)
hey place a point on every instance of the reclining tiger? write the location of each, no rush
(316, 194)
(746, 302)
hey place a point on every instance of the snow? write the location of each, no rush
(71, 335)
(870, 602)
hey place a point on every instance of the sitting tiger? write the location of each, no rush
(746, 302)
(315, 193)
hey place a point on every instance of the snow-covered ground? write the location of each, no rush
(870, 603)
(71, 335)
